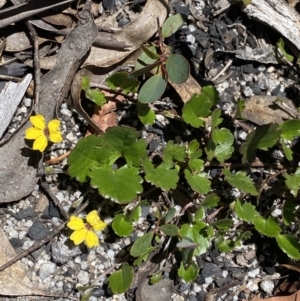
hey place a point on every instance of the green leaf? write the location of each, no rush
(268, 227)
(215, 117)
(146, 114)
(199, 215)
(223, 138)
(224, 245)
(289, 244)
(173, 152)
(197, 108)
(263, 137)
(178, 68)
(193, 147)
(170, 230)
(115, 184)
(192, 232)
(186, 244)
(290, 129)
(171, 25)
(85, 83)
(293, 182)
(280, 46)
(144, 256)
(223, 224)
(156, 278)
(123, 81)
(162, 176)
(211, 201)
(240, 181)
(84, 156)
(198, 182)
(151, 52)
(240, 108)
(152, 89)
(119, 282)
(288, 212)
(246, 212)
(122, 226)
(212, 94)
(190, 273)
(144, 60)
(153, 68)
(170, 215)
(135, 214)
(96, 96)
(141, 244)
(196, 165)
(287, 150)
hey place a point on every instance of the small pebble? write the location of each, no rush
(27, 102)
(267, 286)
(252, 286)
(83, 277)
(46, 270)
(254, 273)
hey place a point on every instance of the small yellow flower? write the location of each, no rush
(42, 133)
(84, 232)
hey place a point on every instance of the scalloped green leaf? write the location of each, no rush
(199, 215)
(178, 68)
(173, 152)
(171, 25)
(198, 182)
(280, 46)
(197, 108)
(245, 211)
(120, 185)
(119, 282)
(196, 165)
(146, 114)
(141, 245)
(293, 182)
(135, 214)
(144, 256)
(224, 245)
(268, 227)
(287, 150)
(170, 229)
(290, 129)
(240, 181)
(85, 83)
(161, 176)
(190, 273)
(123, 81)
(192, 232)
(212, 94)
(263, 137)
(152, 89)
(122, 226)
(288, 212)
(211, 201)
(95, 96)
(86, 155)
(289, 244)
(193, 147)
(215, 118)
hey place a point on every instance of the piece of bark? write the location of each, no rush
(10, 97)
(17, 162)
(278, 15)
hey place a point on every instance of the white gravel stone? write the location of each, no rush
(276, 213)
(84, 265)
(254, 273)
(93, 298)
(27, 102)
(209, 280)
(252, 286)
(196, 288)
(190, 38)
(46, 270)
(13, 233)
(110, 254)
(83, 277)
(248, 92)
(267, 286)
(66, 112)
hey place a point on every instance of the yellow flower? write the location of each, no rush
(84, 232)
(42, 133)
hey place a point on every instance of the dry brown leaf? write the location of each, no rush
(135, 34)
(60, 19)
(187, 89)
(262, 109)
(19, 41)
(46, 63)
(13, 281)
(293, 297)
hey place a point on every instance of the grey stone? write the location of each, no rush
(61, 253)
(27, 212)
(83, 277)
(38, 231)
(46, 270)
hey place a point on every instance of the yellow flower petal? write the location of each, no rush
(79, 236)
(91, 239)
(40, 143)
(94, 220)
(33, 133)
(53, 125)
(55, 136)
(75, 223)
(38, 121)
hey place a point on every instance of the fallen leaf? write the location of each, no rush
(134, 34)
(13, 281)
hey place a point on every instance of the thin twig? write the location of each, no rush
(41, 242)
(36, 62)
